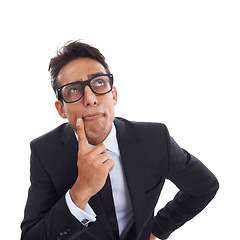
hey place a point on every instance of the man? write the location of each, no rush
(100, 177)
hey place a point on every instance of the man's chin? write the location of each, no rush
(96, 131)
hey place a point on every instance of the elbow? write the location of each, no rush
(214, 186)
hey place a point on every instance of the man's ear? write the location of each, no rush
(114, 93)
(60, 108)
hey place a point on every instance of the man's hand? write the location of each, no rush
(93, 167)
(152, 237)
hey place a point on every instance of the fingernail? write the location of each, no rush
(78, 123)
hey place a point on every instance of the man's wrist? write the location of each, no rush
(84, 216)
(79, 199)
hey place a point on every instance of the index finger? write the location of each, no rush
(82, 139)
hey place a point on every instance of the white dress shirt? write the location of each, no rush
(122, 202)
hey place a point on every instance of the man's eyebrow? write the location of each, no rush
(95, 74)
(92, 75)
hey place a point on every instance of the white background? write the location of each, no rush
(175, 62)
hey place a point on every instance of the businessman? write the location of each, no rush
(99, 177)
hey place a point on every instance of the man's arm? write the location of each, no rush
(197, 187)
(47, 217)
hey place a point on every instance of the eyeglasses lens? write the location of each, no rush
(74, 91)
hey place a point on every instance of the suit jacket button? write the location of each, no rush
(67, 229)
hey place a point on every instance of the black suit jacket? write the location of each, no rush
(149, 156)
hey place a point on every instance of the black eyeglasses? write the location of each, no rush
(73, 92)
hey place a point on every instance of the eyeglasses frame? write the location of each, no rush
(59, 94)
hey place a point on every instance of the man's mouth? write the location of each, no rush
(92, 116)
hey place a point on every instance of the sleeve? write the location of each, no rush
(86, 216)
(46, 215)
(197, 187)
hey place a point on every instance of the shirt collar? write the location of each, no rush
(111, 142)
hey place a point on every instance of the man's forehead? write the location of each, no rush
(80, 70)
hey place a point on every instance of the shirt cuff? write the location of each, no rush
(84, 217)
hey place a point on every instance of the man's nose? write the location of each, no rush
(89, 97)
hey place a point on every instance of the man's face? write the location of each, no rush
(97, 111)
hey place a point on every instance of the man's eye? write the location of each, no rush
(73, 90)
(98, 83)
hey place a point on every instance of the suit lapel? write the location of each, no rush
(70, 150)
(132, 151)
(69, 153)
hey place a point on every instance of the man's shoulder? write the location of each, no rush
(52, 135)
(140, 125)
(142, 128)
